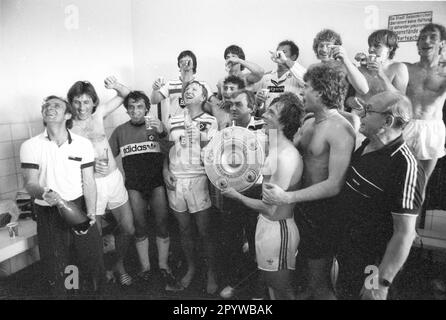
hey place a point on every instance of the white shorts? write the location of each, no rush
(426, 138)
(276, 244)
(190, 194)
(111, 192)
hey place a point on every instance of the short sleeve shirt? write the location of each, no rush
(60, 167)
(185, 156)
(378, 184)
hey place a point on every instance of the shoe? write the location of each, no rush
(227, 292)
(125, 280)
(171, 283)
(144, 275)
(110, 276)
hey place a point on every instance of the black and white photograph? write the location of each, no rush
(222, 155)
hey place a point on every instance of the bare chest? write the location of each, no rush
(90, 129)
(312, 142)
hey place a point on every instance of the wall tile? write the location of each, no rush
(439, 224)
(8, 195)
(36, 128)
(20, 131)
(6, 150)
(16, 146)
(5, 132)
(18, 168)
(7, 167)
(8, 183)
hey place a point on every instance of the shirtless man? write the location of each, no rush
(111, 193)
(382, 72)
(326, 143)
(277, 236)
(425, 134)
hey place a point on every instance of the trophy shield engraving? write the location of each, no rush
(234, 158)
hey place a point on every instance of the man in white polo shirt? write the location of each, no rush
(63, 162)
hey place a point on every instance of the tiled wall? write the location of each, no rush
(436, 221)
(12, 136)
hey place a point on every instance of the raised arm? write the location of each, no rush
(157, 87)
(354, 76)
(111, 105)
(256, 71)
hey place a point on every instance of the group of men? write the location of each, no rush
(350, 151)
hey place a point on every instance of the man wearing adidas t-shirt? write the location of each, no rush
(186, 180)
(170, 93)
(141, 148)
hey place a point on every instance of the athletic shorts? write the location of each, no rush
(146, 185)
(426, 138)
(317, 227)
(276, 244)
(111, 192)
(190, 194)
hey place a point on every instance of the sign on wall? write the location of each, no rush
(407, 26)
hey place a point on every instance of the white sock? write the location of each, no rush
(163, 252)
(142, 248)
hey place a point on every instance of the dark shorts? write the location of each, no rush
(146, 185)
(317, 228)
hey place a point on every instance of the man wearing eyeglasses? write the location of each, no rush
(425, 134)
(378, 205)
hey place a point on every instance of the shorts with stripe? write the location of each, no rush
(276, 244)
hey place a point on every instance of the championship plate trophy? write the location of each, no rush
(234, 158)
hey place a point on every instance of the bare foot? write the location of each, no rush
(187, 279)
(212, 283)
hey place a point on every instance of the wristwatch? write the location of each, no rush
(384, 282)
